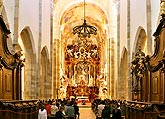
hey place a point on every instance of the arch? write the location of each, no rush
(80, 5)
(27, 46)
(45, 82)
(26, 31)
(44, 52)
(74, 15)
(71, 5)
(140, 40)
(123, 77)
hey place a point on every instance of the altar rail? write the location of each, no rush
(143, 110)
(19, 109)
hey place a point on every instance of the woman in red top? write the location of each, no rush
(48, 109)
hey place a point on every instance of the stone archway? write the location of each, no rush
(140, 40)
(45, 80)
(123, 80)
(27, 45)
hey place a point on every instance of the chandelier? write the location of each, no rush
(84, 30)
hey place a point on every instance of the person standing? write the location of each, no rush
(106, 112)
(76, 108)
(48, 108)
(60, 114)
(99, 109)
(116, 112)
(123, 109)
(54, 109)
(70, 111)
(42, 114)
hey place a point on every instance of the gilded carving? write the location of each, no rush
(138, 70)
(162, 7)
(1, 6)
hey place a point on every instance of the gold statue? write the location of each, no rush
(1, 6)
(162, 7)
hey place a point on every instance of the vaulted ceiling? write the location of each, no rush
(72, 15)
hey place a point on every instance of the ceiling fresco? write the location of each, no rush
(75, 15)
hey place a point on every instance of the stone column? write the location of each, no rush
(149, 27)
(16, 21)
(129, 52)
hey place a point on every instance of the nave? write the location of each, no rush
(122, 61)
(86, 113)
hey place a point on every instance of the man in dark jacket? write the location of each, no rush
(106, 112)
(116, 112)
(60, 114)
(76, 108)
(70, 111)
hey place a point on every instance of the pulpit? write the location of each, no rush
(148, 74)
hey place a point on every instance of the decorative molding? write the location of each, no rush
(155, 84)
(8, 60)
(3, 25)
(160, 65)
(159, 28)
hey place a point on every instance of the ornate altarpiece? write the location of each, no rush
(82, 68)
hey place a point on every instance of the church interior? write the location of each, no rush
(83, 49)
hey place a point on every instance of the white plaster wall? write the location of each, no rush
(155, 18)
(29, 16)
(9, 8)
(155, 11)
(46, 14)
(123, 25)
(138, 18)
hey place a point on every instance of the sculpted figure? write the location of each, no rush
(162, 7)
(1, 6)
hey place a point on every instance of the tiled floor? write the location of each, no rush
(86, 113)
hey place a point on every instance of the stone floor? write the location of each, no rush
(86, 113)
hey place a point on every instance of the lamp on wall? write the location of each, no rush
(84, 30)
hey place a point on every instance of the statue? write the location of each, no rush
(138, 70)
(162, 7)
(1, 6)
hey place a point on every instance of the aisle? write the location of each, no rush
(86, 113)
